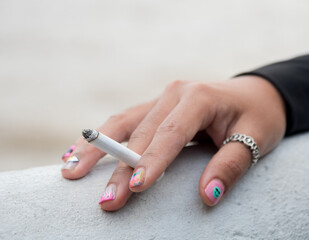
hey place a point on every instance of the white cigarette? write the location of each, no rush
(111, 147)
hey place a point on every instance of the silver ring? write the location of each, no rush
(249, 142)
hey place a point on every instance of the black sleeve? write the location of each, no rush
(291, 78)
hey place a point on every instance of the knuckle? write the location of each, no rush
(174, 130)
(170, 127)
(205, 95)
(156, 159)
(151, 155)
(138, 134)
(198, 88)
(172, 86)
(119, 171)
(234, 168)
(117, 118)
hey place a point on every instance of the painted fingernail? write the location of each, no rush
(214, 190)
(70, 163)
(137, 178)
(68, 152)
(109, 193)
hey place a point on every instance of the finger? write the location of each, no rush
(117, 191)
(171, 136)
(118, 127)
(144, 132)
(223, 171)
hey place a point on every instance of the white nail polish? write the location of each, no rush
(70, 163)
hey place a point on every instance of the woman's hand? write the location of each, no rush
(158, 130)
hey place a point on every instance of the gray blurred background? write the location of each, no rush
(67, 65)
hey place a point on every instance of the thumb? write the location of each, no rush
(223, 171)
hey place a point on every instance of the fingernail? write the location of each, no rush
(214, 190)
(109, 193)
(68, 152)
(137, 178)
(70, 163)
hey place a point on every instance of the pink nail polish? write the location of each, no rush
(137, 178)
(66, 155)
(214, 190)
(109, 193)
(69, 152)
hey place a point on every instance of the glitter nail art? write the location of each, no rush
(70, 163)
(137, 178)
(68, 152)
(214, 190)
(109, 193)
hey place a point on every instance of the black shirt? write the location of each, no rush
(291, 79)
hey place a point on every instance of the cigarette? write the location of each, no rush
(111, 147)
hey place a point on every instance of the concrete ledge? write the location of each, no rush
(270, 202)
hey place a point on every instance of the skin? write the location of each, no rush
(159, 129)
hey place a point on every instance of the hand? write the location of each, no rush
(158, 130)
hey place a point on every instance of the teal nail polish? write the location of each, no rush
(216, 192)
